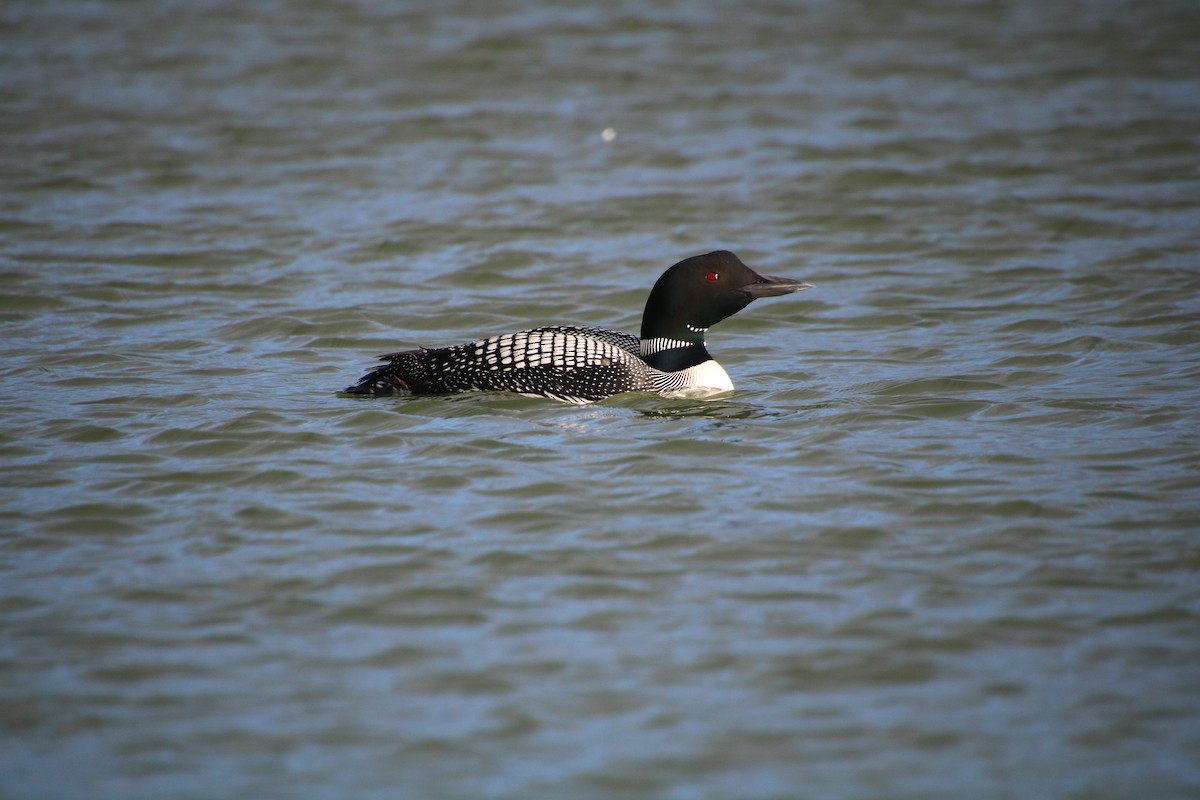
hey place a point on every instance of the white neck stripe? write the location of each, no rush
(658, 344)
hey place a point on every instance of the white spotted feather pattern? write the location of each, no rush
(568, 363)
(571, 364)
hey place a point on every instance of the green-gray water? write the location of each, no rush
(943, 542)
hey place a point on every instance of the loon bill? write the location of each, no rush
(582, 364)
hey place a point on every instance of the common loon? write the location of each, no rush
(582, 364)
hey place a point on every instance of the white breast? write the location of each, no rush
(698, 381)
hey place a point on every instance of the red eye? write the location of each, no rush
(712, 276)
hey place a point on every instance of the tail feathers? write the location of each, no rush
(394, 377)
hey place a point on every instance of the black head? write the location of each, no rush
(700, 291)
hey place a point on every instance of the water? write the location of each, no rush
(942, 541)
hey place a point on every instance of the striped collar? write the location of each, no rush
(659, 344)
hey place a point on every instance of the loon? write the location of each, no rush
(576, 364)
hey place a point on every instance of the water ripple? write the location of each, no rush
(941, 536)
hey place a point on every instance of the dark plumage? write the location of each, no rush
(582, 364)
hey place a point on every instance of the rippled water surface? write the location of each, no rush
(943, 541)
